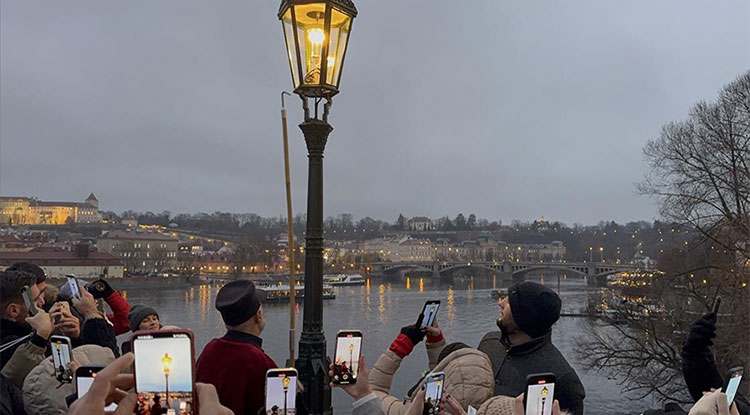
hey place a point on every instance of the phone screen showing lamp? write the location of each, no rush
(733, 383)
(84, 382)
(60, 347)
(346, 361)
(281, 391)
(73, 284)
(540, 397)
(430, 312)
(433, 386)
(164, 371)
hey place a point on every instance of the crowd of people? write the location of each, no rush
(230, 372)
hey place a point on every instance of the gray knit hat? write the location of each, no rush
(137, 313)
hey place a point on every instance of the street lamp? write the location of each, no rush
(285, 384)
(166, 363)
(316, 35)
(351, 358)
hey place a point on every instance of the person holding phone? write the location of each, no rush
(523, 346)
(236, 363)
(15, 328)
(698, 364)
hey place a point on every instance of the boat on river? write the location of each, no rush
(345, 279)
(280, 293)
(498, 294)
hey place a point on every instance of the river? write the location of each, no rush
(379, 309)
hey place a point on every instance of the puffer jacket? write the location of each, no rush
(40, 392)
(468, 377)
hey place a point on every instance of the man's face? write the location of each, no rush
(261, 318)
(37, 294)
(505, 320)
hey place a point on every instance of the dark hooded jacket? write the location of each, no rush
(512, 363)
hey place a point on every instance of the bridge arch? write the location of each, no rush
(551, 267)
(452, 268)
(401, 267)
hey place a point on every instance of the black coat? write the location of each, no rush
(11, 400)
(512, 364)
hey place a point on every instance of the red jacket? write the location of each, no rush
(236, 365)
(120, 307)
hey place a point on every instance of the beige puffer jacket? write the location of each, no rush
(468, 377)
(41, 396)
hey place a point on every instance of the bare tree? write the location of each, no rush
(699, 174)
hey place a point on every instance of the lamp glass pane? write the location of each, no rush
(291, 50)
(340, 26)
(311, 34)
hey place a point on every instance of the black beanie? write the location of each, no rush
(535, 307)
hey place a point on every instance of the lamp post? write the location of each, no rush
(316, 34)
(351, 358)
(285, 383)
(166, 363)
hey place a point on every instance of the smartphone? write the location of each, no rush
(346, 358)
(61, 356)
(26, 294)
(165, 369)
(85, 376)
(281, 391)
(429, 312)
(73, 284)
(433, 385)
(732, 383)
(540, 394)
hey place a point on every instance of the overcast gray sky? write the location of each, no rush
(504, 109)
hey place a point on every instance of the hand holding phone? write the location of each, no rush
(429, 312)
(346, 358)
(62, 355)
(281, 391)
(165, 367)
(73, 285)
(85, 376)
(433, 384)
(540, 394)
(28, 301)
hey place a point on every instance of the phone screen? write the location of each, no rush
(433, 392)
(430, 312)
(281, 391)
(539, 398)
(61, 358)
(83, 384)
(73, 283)
(732, 385)
(346, 361)
(164, 371)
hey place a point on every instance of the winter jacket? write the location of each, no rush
(24, 359)
(236, 365)
(512, 363)
(368, 405)
(11, 400)
(119, 316)
(698, 364)
(41, 396)
(468, 377)
(10, 331)
(97, 330)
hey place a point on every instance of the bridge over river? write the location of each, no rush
(595, 273)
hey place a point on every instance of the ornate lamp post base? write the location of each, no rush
(312, 364)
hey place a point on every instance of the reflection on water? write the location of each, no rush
(468, 312)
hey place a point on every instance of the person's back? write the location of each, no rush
(235, 366)
(523, 345)
(236, 363)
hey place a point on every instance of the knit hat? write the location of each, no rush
(498, 405)
(137, 313)
(535, 307)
